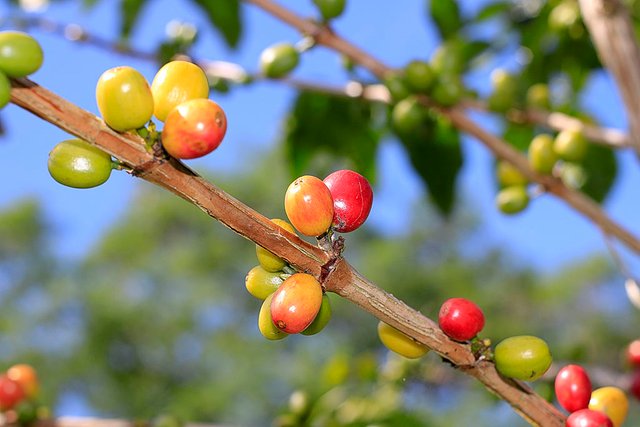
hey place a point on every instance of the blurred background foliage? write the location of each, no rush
(155, 319)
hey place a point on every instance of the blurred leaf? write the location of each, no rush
(602, 168)
(446, 15)
(519, 136)
(492, 10)
(225, 16)
(130, 12)
(334, 126)
(437, 158)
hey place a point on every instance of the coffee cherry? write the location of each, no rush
(194, 129)
(20, 54)
(124, 98)
(634, 388)
(5, 90)
(460, 319)
(632, 353)
(397, 86)
(573, 388)
(508, 175)
(407, 116)
(505, 87)
(448, 90)
(522, 357)
(11, 393)
(330, 8)
(296, 303)
(513, 199)
(573, 175)
(265, 322)
(267, 260)
(448, 58)
(538, 96)
(175, 83)
(309, 205)
(279, 60)
(571, 145)
(611, 401)
(322, 319)
(78, 164)
(588, 418)
(352, 199)
(27, 377)
(400, 343)
(542, 157)
(261, 283)
(419, 76)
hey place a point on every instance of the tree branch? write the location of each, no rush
(614, 38)
(341, 279)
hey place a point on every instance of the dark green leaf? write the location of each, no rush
(492, 10)
(519, 136)
(129, 14)
(446, 15)
(225, 17)
(437, 157)
(601, 167)
(323, 128)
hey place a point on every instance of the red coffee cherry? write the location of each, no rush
(296, 303)
(11, 392)
(588, 418)
(460, 319)
(352, 199)
(573, 388)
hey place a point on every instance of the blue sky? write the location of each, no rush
(547, 235)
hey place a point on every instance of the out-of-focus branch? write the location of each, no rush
(614, 38)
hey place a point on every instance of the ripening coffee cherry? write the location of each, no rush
(542, 156)
(194, 129)
(27, 377)
(573, 388)
(265, 323)
(588, 418)
(419, 76)
(124, 98)
(175, 83)
(278, 60)
(522, 357)
(330, 9)
(611, 401)
(78, 164)
(632, 353)
(508, 175)
(261, 283)
(322, 318)
(309, 205)
(400, 343)
(5, 90)
(296, 303)
(352, 199)
(538, 96)
(11, 393)
(267, 260)
(513, 199)
(571, 145)
(20, 54)
(460, 319)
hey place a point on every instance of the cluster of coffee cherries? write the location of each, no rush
(522, 357)
(560, 155)
(603, 407)
(295, 302)
(19, 388)
(20, 56)
(178, 96)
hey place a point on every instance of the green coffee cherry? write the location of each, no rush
(571, 145)
(419, 76)
(330, 9)
(448, 58)
(448, 90)
(5, 90)
(78, 164)
(508, 175)
(513, 199)
(505, 86)
(322, 318)
(542, 156)
(397, 87)
(20, 54)
(572, 175)
(538, 96)
(278, 60)
(407, 116)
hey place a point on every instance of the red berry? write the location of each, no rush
(352, 199)
(460, 319)
(573, 388)
(11, 393)
(633, 353)
(588, 418)
(635, 385)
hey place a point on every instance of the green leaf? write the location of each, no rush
(446, 15)
(437, 157)
(492, 10)
(519, 136)
(129, 14)
(601, 167)
(225, 17)
(321, 128)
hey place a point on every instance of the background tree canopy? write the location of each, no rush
(151, 317)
